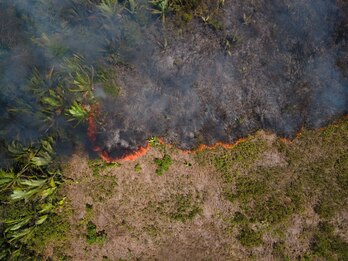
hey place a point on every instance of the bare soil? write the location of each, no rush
(181, 215)
(136, 214)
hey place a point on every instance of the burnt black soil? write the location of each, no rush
(270, 65)
(221, 73)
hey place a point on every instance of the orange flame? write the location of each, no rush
(92, 135)
(129, 157)
(203, 147)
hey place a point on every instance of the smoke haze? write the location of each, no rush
(274, 65)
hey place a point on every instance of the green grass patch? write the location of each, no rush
(185, 208)
(163, 164)
(314, 174)
(137, 168)
(98, 165)
(249, 237)
(94, 236)
(328, 245)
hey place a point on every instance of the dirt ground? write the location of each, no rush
(136, 213)
(181, 215)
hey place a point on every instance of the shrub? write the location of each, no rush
(94, 236)
(249, 238)
(185, 208)
(163, 164)
(328, 245)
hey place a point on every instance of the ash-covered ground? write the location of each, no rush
(242, 66)
(284, 68)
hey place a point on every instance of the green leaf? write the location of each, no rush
(19, 194)
(33, 183)
(51, 101)
(77, 112)
(41, 219)
(20, 223)
(15, 254)
(41, 161)
(52, 183)
(4, 174)
(3, 255)
(46, 208)
(47, 145)
(47, 192)
(5, 181)
(19, 234)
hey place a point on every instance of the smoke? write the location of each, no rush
(274, 65)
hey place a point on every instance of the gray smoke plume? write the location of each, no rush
(274, 65)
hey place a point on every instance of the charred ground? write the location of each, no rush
(200, 72)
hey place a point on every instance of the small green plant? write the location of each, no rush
(132, 4)
(137, 168)
(94, 236)
(160, 7)
(163, 164)
(77, 113)
(249, 237)
(109, 7)
(99, 165)
(279, 250)
(108, 80)
(239, 218)
(79, 78)
(185, 208)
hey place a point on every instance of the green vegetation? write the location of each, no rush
(249, 238)
(94, 236)
(29, 189)
(137, 168)
(160, 7)
(77, 113)
(109, 7)
(328, 245)
(279, 249)
(231, 162)
(103, 187)
(29, 183)
(163, 164)
(98, 165)
(155, 142)
(311, 173)
(53, 232)
(108, 80)
(185, 208)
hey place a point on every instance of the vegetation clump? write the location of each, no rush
(163, 164)
(249, 237)
(312, 175)
(185, 208)
(327, 245)
(98, 165)
(94, 236)
(29, 189)
(137, 168)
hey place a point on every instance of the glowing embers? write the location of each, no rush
(127, 156)
(130, 155)
(203, 147)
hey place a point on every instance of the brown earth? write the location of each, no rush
(139, 211)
